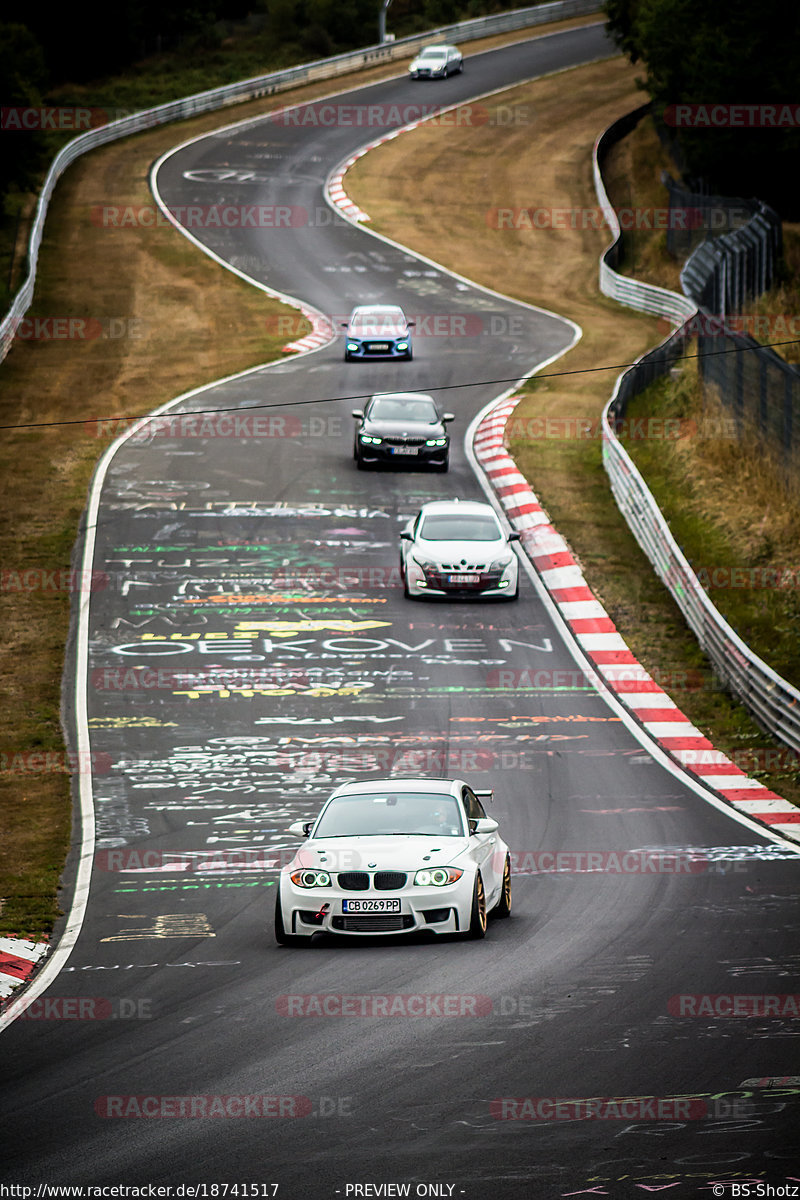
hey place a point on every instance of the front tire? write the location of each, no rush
(477, 919)
(281, 936)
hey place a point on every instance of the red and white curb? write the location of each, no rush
(321, 333)
(605, 648)
(334, 188)
(18, 961)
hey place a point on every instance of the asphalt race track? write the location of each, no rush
(250, 647)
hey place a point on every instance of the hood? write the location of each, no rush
(391, 428)
(403, 852)
(470, 551)
(377, 330)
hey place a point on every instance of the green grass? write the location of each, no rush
(737, 560)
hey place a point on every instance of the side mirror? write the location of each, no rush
(358, 412)
(483, 825)
(344, 324)
(514, 536)
(301, 828)
(410, 324)
(449, 417)
(406, 536)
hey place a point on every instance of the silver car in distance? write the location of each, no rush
(437, 62)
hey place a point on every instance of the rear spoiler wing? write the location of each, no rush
(487, 795)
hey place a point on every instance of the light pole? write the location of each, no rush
(382, 21)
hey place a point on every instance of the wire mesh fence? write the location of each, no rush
(759, 390)
(697, 216)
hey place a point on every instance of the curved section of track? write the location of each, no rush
(253, 647)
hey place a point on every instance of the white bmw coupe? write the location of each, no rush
(395, 856)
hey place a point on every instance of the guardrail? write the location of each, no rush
(254, 89)
(772, 700)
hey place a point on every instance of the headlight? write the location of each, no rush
(402, 345)
(423, 563)
(437, 876)
(436, 442)
(310, 879)
(366, 440)
(353, 346)
(500, 564)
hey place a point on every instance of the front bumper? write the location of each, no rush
(365, 351)
(437, 584)
(397, 455)
(434, 910)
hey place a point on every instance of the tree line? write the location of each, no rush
(724, 80)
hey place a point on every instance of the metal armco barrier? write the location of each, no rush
(772, 700)
(254, 89)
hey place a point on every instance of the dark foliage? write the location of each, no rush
(722, 53)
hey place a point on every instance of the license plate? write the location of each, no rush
(370, 906)
(378, 346)
(463, 579)
(405, 449)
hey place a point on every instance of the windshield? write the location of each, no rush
(433, 52)
(393, 409)
(459, 527)
(378, 322)
(388, 813)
